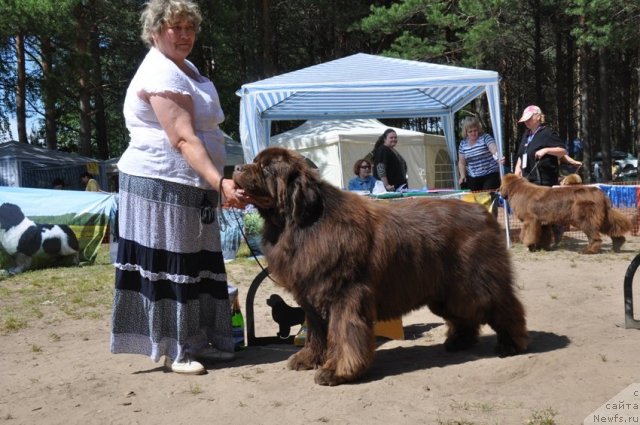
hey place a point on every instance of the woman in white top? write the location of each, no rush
(171, 296)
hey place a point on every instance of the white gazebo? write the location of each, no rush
(365, 86)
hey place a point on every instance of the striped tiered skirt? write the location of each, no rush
(171, 294)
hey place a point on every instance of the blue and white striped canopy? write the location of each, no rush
(365, 86)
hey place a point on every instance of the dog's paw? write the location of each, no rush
(15, 270)
(301, 361)
(617, 242)
(459, 343)
(506, 350)
(328, 377)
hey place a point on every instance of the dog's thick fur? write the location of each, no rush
(350, 261)
(571, 179)
(22, 238)
(585, 207)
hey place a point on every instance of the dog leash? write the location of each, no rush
(535, 167)
(224, 224)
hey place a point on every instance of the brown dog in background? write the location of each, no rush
(585, 207)
(350, 261)
(571, 179)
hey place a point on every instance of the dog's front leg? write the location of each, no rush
(23, 262)
(312, 354)
(350, 338)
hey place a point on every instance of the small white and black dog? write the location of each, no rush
(22, 238)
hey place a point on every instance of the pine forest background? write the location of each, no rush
(65, 64)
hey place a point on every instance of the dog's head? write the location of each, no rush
(10, 215)
(507, 184)
(281, 185)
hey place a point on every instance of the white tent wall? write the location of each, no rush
(335, 145)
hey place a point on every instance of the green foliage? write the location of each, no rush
(253, 224)
(421, 29)
(241, 41)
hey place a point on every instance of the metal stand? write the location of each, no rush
(251, 329)
(629, 321)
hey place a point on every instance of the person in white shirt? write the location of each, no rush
(171, 296)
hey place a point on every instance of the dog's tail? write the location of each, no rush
(616, 224)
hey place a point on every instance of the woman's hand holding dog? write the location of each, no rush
(234, 197)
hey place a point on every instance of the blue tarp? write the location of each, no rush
(88, 214)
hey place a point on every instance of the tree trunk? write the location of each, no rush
(538, 60)
(267, 39)
(98, 98)
(603, 106)
(21, 87)
(583, 95)
(48, 95)
(561, 86)
(571, 95)
(84, 98)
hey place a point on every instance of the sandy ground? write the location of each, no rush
(578, 359)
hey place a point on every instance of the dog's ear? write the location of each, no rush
(10, 215)
(306, 200)
(294, 187)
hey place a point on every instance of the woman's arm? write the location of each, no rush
(518, 168)
(555, 151)
(462, 168)
(493, 148)
(175, 114)
(568, 160)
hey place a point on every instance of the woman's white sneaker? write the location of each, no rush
(187, 367)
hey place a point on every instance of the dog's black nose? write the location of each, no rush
(238, 167)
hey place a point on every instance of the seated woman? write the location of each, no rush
(363, 180)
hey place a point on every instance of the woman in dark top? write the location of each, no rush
(539, 157)
(389, 166)
(540, 150)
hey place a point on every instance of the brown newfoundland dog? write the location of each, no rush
(585, 207)
(349, 261)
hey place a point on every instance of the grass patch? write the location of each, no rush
(544, 417)
(50, 296)
(195, 389)
(53, 294)
(13, 324)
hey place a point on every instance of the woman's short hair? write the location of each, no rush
(471, 122)
(159, 12)
(358, 163)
